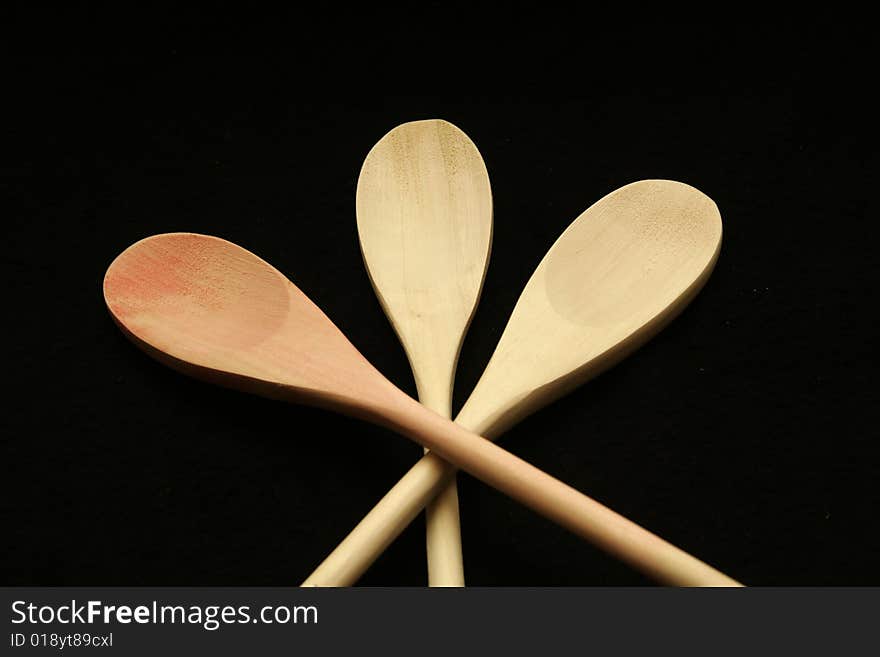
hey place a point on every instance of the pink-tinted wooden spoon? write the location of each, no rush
(213, 310)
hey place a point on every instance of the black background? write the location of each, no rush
(745, 432)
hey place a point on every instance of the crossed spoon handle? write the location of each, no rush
(384, 523)
(523, 482)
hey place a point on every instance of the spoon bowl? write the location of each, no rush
(213, 310)
(617, 275)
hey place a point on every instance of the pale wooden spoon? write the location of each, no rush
(214, 311)
(622, 270)
(424, 217)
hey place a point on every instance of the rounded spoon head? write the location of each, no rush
(213, 310)
(424, 215)
(622, 270)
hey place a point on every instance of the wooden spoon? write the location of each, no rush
(215, 311)
(613, 279)
(424, 216)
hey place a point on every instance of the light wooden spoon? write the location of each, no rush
(424, 216)
(217, 312)
(622, 270)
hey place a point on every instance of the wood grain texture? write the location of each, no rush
(424, 216)
(202, 305)
(619, 273)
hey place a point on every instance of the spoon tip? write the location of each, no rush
(194, 282)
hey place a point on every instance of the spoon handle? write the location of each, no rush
(442, 523)
(523, 482)
(443, 538)
(376, 531)
(555, 500)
